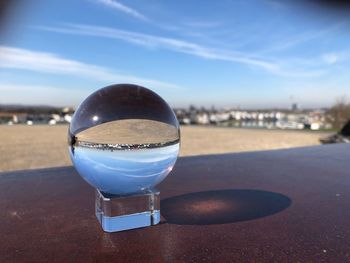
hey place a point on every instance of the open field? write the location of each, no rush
(39, 146)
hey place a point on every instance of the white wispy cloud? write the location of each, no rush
(119, 7)
(41, 94)
(330, 58)
(281, 67)
(296, 40)
(123, 8)
(17, 58)
(177, 45)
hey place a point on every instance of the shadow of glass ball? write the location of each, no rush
(222, 206)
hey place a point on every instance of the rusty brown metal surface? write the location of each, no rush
(275, 206)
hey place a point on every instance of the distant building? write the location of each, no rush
(295, 107)
(13, 117)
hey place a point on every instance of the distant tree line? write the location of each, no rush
(30, 109)
(339, 114)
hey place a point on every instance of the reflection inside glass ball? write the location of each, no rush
(124, 139)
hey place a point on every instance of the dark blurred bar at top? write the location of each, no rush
(7, 13)
(335, 4)
(338, 7)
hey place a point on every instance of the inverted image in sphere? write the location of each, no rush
(124, 139)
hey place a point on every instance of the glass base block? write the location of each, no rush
(122, 212)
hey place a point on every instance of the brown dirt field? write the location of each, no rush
(133, 131)
(40, 146)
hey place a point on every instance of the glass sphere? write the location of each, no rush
(124, 139)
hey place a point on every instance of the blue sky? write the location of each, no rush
(248, 54)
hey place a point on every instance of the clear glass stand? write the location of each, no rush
(122, 212)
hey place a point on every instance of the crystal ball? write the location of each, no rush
(124, 139)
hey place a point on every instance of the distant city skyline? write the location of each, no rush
(247, 54)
